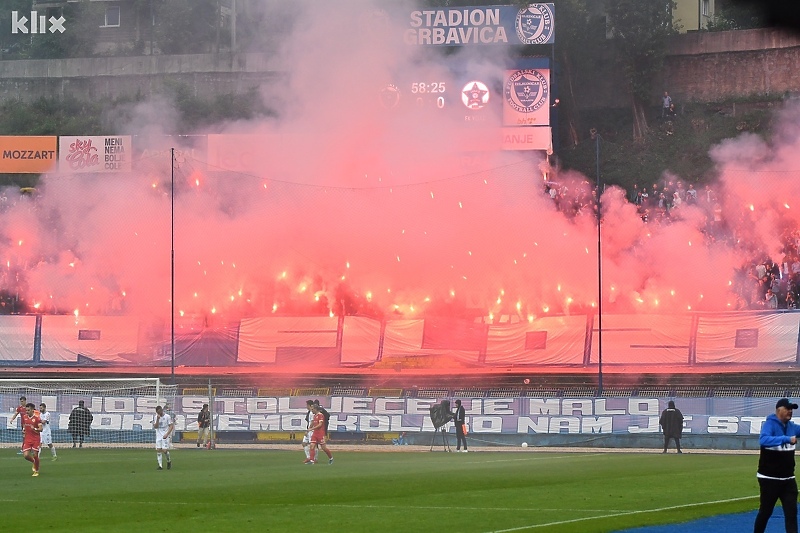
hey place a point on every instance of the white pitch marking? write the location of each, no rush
(627, 513)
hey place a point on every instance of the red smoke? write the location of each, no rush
(360, 210)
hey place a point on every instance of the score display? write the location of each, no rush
(466, 99)
(512, 99)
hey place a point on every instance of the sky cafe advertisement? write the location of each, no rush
(508, 416)
(78, 153)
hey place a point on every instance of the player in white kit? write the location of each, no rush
(164, 426)
(47, 435)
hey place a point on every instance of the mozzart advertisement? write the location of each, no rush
(508, 416)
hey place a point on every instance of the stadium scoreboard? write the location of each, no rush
(514, 99)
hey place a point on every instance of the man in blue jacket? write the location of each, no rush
(776, 467)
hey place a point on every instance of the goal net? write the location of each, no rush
(120, 411)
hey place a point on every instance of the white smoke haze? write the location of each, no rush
(351, 207)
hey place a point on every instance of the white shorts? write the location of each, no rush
(47, 437)
(163, 444)
(307, 437)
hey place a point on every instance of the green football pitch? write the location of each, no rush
(235, 490)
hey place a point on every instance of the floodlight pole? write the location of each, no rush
(172, 264)
(599, 273)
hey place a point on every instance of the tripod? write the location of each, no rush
(445, 443)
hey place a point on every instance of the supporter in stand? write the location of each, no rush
(691, 195)
(770, 300)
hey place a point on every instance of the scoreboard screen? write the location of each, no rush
(513, 99)
(460, 96)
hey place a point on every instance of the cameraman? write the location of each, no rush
(459, 416)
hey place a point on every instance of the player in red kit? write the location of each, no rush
(318, 436)
(32, 429)
(18, 413)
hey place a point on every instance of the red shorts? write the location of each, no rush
(318, 437)
(31, 445)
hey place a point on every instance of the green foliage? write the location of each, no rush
(640, 29)
(12, 45)
(91, 490)
(196, 112)
(50, 116)
(737, 16)
(78, 40)
(684, 152)
(187, 26)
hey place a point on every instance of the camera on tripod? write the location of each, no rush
(441, 415)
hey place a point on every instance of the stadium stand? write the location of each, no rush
(542, 393)
(730, 392)
(469, 393)
(377, 392)
(618, 392)
(237, 392)
(655, 392)
(693, 392)
(767, 391)
(198, 391)
(503, 393)
(312, 391)
(274, 392)
(580, 392)
(433, 393)
(344, 390)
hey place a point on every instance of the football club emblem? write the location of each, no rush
(390, 96)
(535, 24)
(526, 90)
(475, 95)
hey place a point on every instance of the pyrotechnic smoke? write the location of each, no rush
(352, 208)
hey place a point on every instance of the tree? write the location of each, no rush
(640, 29)
(13, 44)
(579, 38)
(187, 27)
(737, 16)
(80, 38)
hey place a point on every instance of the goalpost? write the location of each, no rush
(121, 409)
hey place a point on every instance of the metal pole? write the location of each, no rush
(599, 275)
(233, 26)
(211, 442)
(172, 266)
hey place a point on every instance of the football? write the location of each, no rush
(524, 444)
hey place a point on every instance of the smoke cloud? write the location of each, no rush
(347, 206)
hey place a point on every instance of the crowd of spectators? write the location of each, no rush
(759, 283)
(771, 285)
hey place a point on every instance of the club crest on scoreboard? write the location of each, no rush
(475, 95)
(526, 90)
(534, 24)
(390, 96)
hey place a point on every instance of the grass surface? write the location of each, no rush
(105, 490)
